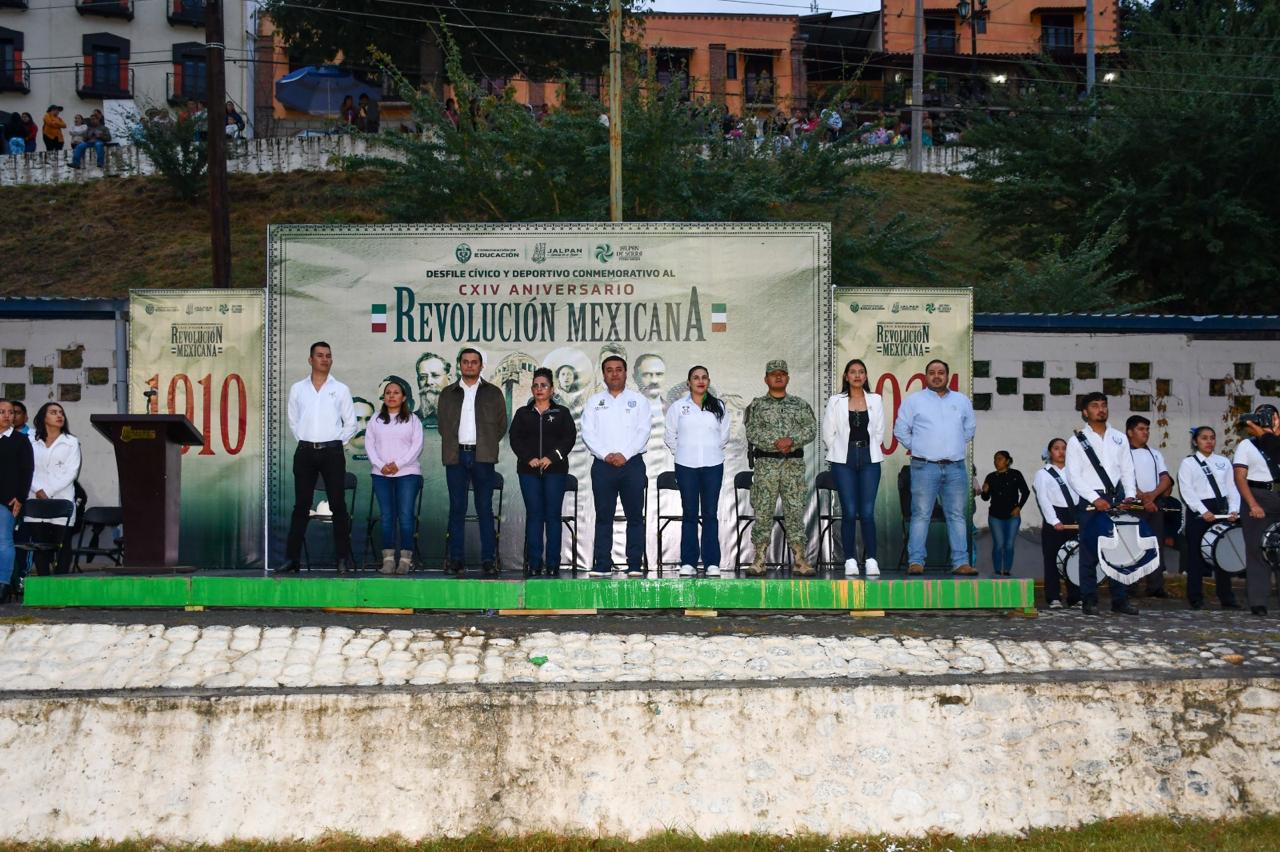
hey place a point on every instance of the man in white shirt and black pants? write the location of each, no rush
(1257, 471)
(322, 418)
(615, 428)
(1153, 481)
(1102, 486)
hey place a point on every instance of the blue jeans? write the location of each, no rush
(700, 498)
(6, 545)
(928, 483)
(478, 475)
(608, 483)
(98, 147)
(1093, 525)
(397, 496)
(1004, 534)
(543, 501)
(857, 480)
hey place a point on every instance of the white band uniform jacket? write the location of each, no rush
(1194, 486)
(835, 427)
(56, 469)
(1112, 450)
(617, 424)
(696, 437)
(321, 415)
(1049, 494)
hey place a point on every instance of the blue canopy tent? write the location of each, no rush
(319, 90)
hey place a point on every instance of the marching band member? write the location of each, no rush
(1100, 470)
(1057, 502)
(1152, 478)
(1257, 471)
(1208, 491)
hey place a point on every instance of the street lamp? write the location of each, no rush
(968, 12)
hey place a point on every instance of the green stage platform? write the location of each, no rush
(564, 594)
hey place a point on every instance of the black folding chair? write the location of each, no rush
(44, 535)
(499, 488)
(95, 522)
(829, 515)
(349, 487)
(667, 482)
(742, 482)
(370, 557)
(570, 519)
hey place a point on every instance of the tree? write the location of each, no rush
(177, 148)
(1178, 152)
(497, 38)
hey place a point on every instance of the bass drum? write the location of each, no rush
(1223, 547)
(1069, 563)
(1271, 545)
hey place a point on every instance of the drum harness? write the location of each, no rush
(1219, 502)
(1112, 493)
(1274, 484)
(1066, 495)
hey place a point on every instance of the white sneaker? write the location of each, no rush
(687, 571)
(873, 568)
(1055, 604)
(851, 567)
(713, 570)
(605, 572)
(635, 572)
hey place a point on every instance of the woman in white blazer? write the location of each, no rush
(853, 429)
(57, 464)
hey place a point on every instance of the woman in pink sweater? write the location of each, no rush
(393, 440)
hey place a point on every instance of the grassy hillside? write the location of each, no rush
(105, 237)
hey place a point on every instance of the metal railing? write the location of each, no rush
(186, 12)
(15, 77)
(178, 92)
(1061, 40)
(114, 81)
(106, 8)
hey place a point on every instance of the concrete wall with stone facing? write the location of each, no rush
(840, 759)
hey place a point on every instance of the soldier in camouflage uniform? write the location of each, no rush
(778, 427)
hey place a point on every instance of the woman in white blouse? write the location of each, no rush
(1208, 489)
(697, 430)
(1057, 504)
(852, 429)
(57, 464)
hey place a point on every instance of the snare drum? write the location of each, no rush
(1223, 546)
(1068, 562)
(1271, 545)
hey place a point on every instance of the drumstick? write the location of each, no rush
(1071, 526)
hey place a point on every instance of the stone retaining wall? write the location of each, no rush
(894, 757)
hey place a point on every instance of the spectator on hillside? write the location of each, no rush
(834, 122)
(96, 137)
(53, 126)
(367, 117)
(235, 121)
(79, 127)
(15, 135)
(451, 111)
(347, 112)
(31, 132)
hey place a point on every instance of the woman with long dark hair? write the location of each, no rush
(393, 441)
(542, 436)
(1007, 491)
(697, 431)
(57, 464)
(1207, 484)
(853, 429)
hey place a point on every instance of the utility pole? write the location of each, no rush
(916, 163)
(615, 110)
(216, 143)
(1090, 70)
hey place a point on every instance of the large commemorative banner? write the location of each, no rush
(202, 352)
(896, 332)
(402, 300)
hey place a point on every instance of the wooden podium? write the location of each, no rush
(149, 465)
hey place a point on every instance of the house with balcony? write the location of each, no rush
(83, 53)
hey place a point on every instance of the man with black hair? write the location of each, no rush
(17, 465)
(1100, 470)
(1257, 472)
(1152, 479)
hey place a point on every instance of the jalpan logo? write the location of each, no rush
(604, 252)
(462, 252)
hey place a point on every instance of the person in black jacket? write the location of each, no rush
(542, 436)
(1008, 493)
(17, 464)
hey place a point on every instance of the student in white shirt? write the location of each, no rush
(1057, 502)
(1111, 449)
(322, 418)
(1154, 483)
(56, 453)
(1208, 491)
(853, 430)
(1257, 473)
(615, 429)
(696, 432)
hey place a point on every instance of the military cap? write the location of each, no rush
(776, 364)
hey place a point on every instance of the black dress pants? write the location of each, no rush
(330, 464)
(1051, 541)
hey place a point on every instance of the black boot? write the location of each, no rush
(6, 593)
